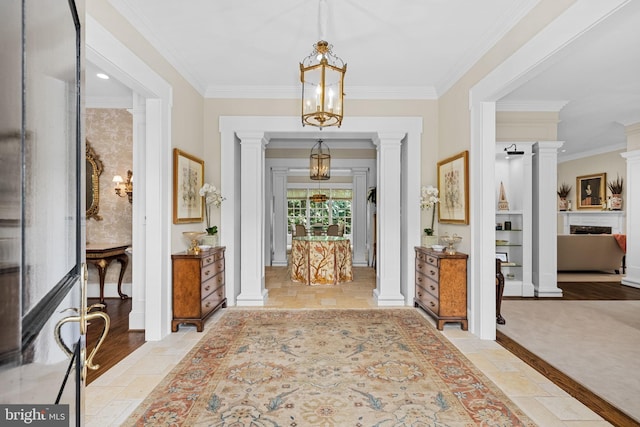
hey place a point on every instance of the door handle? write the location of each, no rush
(83, 315)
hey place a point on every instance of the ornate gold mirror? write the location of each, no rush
(94, 170)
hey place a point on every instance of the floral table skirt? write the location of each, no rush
(321, 260)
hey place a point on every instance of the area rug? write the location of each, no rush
(298, 368)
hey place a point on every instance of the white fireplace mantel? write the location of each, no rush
(613, 219)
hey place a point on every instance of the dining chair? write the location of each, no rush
(300, 230)
(333, 230)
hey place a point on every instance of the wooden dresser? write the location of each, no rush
(198, 286)
(441, 286)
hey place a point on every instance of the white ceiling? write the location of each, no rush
(405, 49)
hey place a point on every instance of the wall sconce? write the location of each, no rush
(127, 186)
(512, 150)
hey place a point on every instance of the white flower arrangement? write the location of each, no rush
(429, 199)
(212, 196)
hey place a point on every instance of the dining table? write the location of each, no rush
(321, 260)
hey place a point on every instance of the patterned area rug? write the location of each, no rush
(383, 367)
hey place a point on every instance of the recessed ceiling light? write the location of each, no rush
(102, 76)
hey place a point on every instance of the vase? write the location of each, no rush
(428, 241)
(210, 239)
(563, 204)
(616, 202)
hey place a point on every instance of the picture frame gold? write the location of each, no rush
(188, 178)
(591, 191)
(453, 189)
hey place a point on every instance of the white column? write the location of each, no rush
(252, 291)
(388, 263)
(358, 216)
(632, 208)
(136, 316)
(279, 218)
(545, 219)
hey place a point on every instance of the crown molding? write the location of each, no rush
(529, 106)
(512, 16)
(294, 92)
(141, 25)
(594, 152)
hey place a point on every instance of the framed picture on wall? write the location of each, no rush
(591, 190)
(502, 256)
(188, 178)
(453, 188)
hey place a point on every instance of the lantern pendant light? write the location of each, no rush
(322, 76)
(320, 162)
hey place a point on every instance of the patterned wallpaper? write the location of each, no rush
(110, 133)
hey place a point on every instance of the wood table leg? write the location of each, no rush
(499, 291)
(124, 261)
(102, 272)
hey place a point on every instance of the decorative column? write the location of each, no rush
(138, 237)
(388, 278)
(279, 216)
(632, 208)
(359, 211)
(545, 219)
(252, 291)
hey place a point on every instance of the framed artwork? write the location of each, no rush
(188, 178)
(502, 256)
(453, 188)
(592, 190)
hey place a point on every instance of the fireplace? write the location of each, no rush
(589, 229)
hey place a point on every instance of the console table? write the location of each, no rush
(101, 255)
(321, 260)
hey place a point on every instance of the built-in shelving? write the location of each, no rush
(514, 173)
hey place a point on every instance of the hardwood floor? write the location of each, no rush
(120, 341)
(591, 291)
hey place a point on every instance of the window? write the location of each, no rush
(336, 210)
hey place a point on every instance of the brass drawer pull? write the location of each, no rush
(433, 273)
(206, 288)
(433, 288)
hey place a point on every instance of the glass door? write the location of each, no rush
(41, 355)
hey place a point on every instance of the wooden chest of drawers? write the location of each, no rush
(198, 286)
(441, 286)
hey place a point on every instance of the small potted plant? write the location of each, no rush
(563, 193)
(616, 193)
(212, 196)
(428, 200)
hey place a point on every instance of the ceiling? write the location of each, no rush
(409, 49)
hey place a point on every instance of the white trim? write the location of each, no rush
(550, 106)
(293, 92)
(152, 216)
(360, 127)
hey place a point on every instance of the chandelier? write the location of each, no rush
(322, 76)
(318, 198)
(320, 162)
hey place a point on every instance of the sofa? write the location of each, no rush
(589, 252)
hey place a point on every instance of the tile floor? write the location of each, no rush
(114, 395)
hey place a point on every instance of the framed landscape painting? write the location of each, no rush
(591, 190)
(453, 188)
(188, 178)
